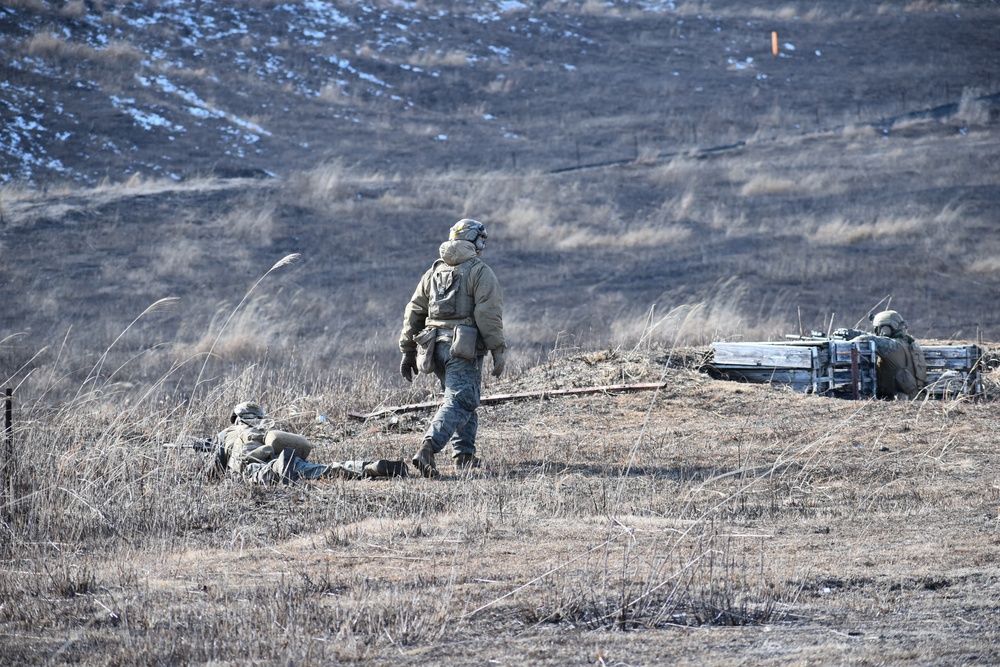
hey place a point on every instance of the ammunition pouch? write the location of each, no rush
(425, 341)
(463, 345)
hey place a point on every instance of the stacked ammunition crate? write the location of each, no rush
(961, 367)
(840, 368)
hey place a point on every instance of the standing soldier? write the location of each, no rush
(901, 369)
(453, 318)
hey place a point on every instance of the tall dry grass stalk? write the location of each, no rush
(95, 374)
(719, 317)
(284, 261)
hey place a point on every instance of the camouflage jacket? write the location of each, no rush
(482, 286)
(902, 367)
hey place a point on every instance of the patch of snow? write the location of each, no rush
(147, 120)
(740, 64)
(164, 84)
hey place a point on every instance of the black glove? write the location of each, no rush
(408, 366)
(498, 362)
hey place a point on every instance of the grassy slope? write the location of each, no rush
(840, 532)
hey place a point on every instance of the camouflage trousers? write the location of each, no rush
(270, 472)
(456, 421)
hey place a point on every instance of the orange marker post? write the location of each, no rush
(774, 42)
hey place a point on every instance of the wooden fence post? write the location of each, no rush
(8, 462)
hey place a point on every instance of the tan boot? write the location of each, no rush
(423, 460)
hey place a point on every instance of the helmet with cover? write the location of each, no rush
(248, 413)
(470, 230)
(891, 319)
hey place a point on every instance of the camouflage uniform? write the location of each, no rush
(256, 451)
(901, 369)
(245, 452)
(479, 307)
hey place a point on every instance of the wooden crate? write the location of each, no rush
(963, 368)
(840, 368)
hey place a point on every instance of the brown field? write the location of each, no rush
(226, 204)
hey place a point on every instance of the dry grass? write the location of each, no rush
(706, 505)
(766, 185)
(116, 55)
(850, 232)
(985, 265)
(972, 109)
(432, 59)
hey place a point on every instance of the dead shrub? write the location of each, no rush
(972, 109)
(985, 266)
(74, 9)
(767, 185)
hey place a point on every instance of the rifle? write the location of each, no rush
(836, 334)
(200, 445)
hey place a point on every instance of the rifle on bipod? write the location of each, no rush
(836, 334)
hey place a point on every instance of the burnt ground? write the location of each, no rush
(108, 90)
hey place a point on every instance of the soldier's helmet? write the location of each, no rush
(248, 413)
(891, 319)
(467, 229)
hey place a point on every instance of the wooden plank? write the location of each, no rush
(955, 364)
(967, 384)
(769, 375)
(970, 352)
(500, 398)
(763, 355)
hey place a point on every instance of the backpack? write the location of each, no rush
(449, 297)
(919, 363)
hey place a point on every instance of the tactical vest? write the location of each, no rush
(450, 299)
(240, 441)
(904, 369)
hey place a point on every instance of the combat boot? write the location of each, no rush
(423, 460)
(466, 461)
(383, 468)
